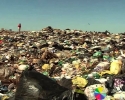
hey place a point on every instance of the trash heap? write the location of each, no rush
(52, 64)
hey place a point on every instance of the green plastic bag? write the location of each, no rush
(60, 63)
(106, 57)
(111, 59)
(79, 91)
(85, 76)
(45, 73)
(97, 54)
(72, 59)
(96, 76)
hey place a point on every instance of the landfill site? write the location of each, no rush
(55, 64)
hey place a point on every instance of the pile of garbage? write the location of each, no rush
(54, 64)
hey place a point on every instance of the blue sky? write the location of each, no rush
(74, 14)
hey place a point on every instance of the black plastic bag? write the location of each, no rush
(67, 83)
(92, 81)
(35, 86)
(110, 86)
(110, 83)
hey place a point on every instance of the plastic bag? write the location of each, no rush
(102, 66)
(115, 83)
(90, 90)
(46, 67)
(119, 95)
(67, 83)
(115, 67)
(97, 54)
(80, 82)
(36, 86)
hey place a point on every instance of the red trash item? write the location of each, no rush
(1, 41)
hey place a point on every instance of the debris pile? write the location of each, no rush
(60, 64)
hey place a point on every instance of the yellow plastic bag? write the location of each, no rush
(105, 72)
(84, 45)
(5, 98)
(20, 44)
(79, 81)
(77, 66)
(115, 66)
(46, 67)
